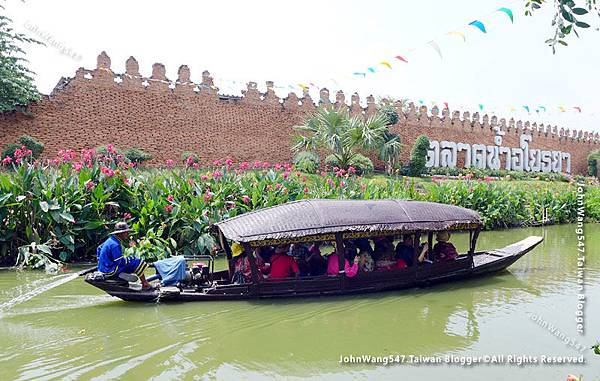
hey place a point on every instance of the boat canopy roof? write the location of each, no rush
(320, 219)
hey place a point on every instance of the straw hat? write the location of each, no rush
(443, 236)
(236, 249)
(121, 227)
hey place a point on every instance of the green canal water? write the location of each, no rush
(74, 331)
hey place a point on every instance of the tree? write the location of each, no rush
(16, 81)
(565, 18)
(593, 161)
(418, 156)
(341, 134)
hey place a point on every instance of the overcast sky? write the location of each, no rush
(324, 42)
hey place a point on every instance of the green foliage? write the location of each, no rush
(361, 163)
(9, 149)
(16, 80)
(418, 156)
(306, 161)
(137, 155)
(566, 18)
(477, 173)
(593, 161)
(66, 210)
(33, 144)
(341, 134)
(390, 113)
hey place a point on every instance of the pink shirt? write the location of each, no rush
(333, 267)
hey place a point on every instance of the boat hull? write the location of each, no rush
(482, 264)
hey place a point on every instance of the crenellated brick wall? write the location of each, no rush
(166, 118)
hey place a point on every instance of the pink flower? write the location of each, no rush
(217, 163)
(228, 162)
(169, 208)
(303, 179)
(126, 181)
(323, 173)
(266, 164)
(203, 177)
(131, 243)
(244, 165)
(246, 199)
(298, 174)
(335, 169)
(127, 216)
(278, 186)
(286, 175)
(170, 198)
(7, 160)
(77, 167)
(208, 196)
(269, 187)
(257, 164)
(278, 167)
(170, 163)
(190, 181)
(306, 190)
(110, 148)
(342, 184)
(18, 161)
(217, 174)
(351, 170)
(330, 183)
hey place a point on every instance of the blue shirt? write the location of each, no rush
(110, 256)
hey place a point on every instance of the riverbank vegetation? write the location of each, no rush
(62, 209)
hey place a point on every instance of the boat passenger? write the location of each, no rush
(333, 265)
(405, 250)
(317, 265)
(384, 252)
(299, 252)
(365, 259)
(243, 270)
(283, 265)
(444, 251)
(112, 261)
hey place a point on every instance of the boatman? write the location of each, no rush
(112, 261)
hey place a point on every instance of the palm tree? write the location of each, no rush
(389, 152)
(341, 134)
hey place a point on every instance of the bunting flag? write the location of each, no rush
(480, 107)
(577, 108)
(526, 108)
(387, 64)
(435, 46)
(508, 13)
(562, 108)
(543, 108)
(372, 70)
(401, 59)
(478, 24)
(459, 34)
(302, 86)
(360, 73)
(513, 109)
(446, 104)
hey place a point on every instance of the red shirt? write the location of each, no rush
(283, 266)
(444, 251)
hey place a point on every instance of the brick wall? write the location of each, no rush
(166, 118)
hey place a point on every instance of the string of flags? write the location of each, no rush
(433, 44)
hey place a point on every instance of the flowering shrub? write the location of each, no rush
(69, 204)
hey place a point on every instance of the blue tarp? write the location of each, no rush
(171, 270)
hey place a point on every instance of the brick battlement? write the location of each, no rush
(166, 118)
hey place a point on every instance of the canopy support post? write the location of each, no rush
(416, 245)
(340, 251)
(430, 246)
(227, 248)
(473, 242)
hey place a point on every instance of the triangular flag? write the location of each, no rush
(479, 25)
(302, 86)
(561, 108)
(386, 63)
(435, 46)
(508, 12)
(446, 104)
(577, 108)
(402, 58)
(360, 73)
(480, 107)
(512, 108)
(459, 34)
(526, 108)
(372, 70)
(543, 108)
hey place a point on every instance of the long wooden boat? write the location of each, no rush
(335, 221)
